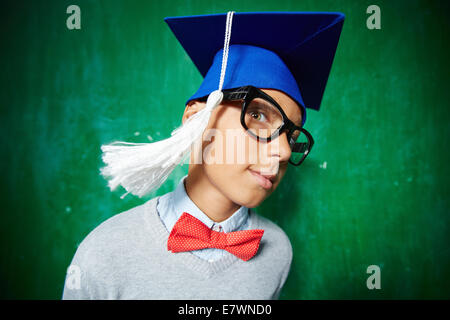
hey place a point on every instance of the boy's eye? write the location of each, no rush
(295, 136)
(292, 141)
(258, 116)
(262, 118)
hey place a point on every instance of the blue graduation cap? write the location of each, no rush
(288, 51)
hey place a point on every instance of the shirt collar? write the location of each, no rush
(182, 203)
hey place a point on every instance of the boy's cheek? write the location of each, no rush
(236, 183)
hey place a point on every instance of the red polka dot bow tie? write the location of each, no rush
(189, 234)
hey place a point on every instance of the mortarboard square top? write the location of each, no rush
(288, 51)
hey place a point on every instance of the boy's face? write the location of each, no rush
(235, 164)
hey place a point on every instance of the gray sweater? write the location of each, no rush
(126, 257)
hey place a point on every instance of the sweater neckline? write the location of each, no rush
(196, 264)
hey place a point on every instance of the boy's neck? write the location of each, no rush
(207, 197)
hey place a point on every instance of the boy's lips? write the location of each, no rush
(264, 180)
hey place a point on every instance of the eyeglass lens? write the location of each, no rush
(263, 119)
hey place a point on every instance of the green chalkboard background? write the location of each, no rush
(374, 191)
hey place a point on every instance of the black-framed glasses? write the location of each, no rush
(264, 119)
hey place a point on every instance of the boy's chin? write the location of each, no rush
(252, 201)
(253, 205)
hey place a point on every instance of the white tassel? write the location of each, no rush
(143, 167)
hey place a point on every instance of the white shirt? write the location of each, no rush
(171, 206)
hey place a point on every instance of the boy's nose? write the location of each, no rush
(280, 147)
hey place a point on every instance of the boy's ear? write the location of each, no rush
(191, 108)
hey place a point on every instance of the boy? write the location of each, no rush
(202, 241)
